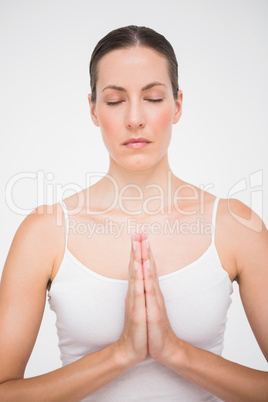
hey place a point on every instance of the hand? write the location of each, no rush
(133, 341)
(162, 341)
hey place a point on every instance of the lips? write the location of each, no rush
(136, 143)
(136, 140)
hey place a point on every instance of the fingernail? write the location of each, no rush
(135, 265)
(134, 245)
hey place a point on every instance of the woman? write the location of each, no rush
(141, 319)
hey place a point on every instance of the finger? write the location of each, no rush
(137, 259)
(147, 257)
(151, 282)
(135, 255)
(145, 247)
(136, 284)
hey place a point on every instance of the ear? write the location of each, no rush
(178, 107)
(92, 106)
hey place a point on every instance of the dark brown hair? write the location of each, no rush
(133, 35)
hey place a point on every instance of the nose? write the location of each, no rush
(135, 118)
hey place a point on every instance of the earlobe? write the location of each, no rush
(178, 107)
(92, 106)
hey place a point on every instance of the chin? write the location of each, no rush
(141, 164)
(137, 162)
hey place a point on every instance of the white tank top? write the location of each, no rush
(90, 308)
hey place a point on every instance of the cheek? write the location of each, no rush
(164, 119)
(108, 124)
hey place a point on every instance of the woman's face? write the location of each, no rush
(135, 107)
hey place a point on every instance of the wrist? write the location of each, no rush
(175, 355)
(123, 357)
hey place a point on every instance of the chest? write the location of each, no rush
(103, 245)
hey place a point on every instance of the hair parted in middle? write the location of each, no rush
(129, 36)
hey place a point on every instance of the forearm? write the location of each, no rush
(70, 383)
(223, 378)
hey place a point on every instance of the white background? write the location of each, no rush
(46, 131)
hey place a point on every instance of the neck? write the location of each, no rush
(137, 192)
(141, 178)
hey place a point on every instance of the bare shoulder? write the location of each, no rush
(240, 213)
(44, 217)
(240, 220)
(38, 239)
(242, 232)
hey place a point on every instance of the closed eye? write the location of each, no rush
(155, 100)
(114, 103)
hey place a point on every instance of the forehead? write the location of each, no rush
(135, 65)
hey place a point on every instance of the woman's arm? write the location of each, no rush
(25, 277)
(228, 380)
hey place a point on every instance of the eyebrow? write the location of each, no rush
(148, 86)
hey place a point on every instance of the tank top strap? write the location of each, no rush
(66, 222)
(213, 220)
